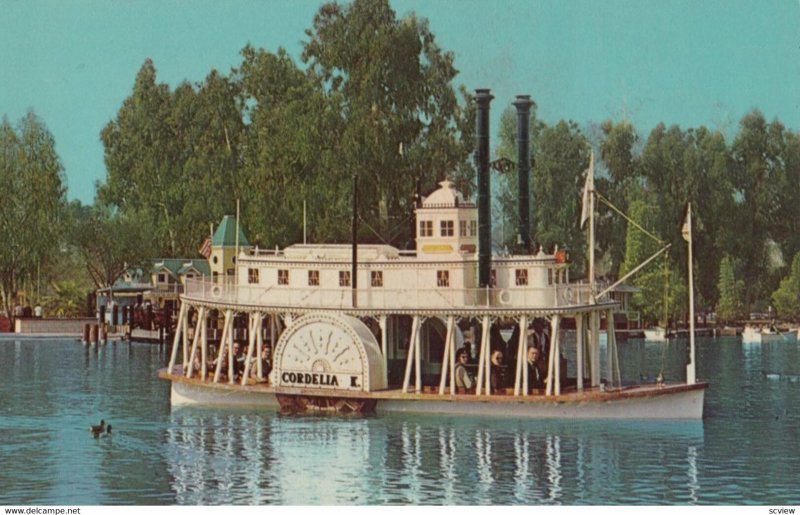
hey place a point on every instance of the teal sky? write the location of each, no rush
(685, 62)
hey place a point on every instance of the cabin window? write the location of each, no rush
(190, 276)
(447, 227)
(492, 278)
(463, 226)
(549, 276)
(425, 228)
(521, 275)
(214, 260)
(252, 276)
(443, 278)
(344, 278)
(473, 228)
(376, 278)
(313, 277)
(283, 277)
(162, 277)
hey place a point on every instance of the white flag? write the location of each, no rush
(588, 188)
(686, 231)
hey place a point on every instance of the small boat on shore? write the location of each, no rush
(767, 334)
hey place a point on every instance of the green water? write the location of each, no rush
(745, 451)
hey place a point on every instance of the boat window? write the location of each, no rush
(463, 226)
(549, 276)
(493, 278)
(344, 278)
(283, 277)
(252, 276)
(521, 276)
(425, 228)
(443, 278)
(473, 228)
(162, 277)
(377, 278)
(447, 227)
(313, 277)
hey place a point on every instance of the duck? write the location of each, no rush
(98, 430)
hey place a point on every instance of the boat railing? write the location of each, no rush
(553, 296)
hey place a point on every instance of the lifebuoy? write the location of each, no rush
(216, 292)
(504, 297)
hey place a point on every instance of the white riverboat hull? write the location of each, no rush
(658, 334)
(673, 402)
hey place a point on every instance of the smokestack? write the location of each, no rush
(482, 98)
(523, 104)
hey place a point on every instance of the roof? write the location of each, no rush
(225, 235)
(179, 266)
(445, 196)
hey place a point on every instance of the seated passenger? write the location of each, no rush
(465, 382)
(498, 374)
(537, 369)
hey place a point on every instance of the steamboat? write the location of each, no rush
(360, 328)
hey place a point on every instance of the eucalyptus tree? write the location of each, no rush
(32, 204)
(391, 84)
(730, 306)
(558, 178)
(173, 158)
(758, 178)
(786, 298)
(619, 154)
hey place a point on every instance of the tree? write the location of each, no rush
(32, 203)
(391, 84)
(731, 291)
(563, 155)
(786, 298)
(110, 243)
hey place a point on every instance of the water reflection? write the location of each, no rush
(247, 458)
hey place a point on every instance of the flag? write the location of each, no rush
(686, 231)
(588, 188)
(205, 248)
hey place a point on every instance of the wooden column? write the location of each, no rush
(522, 358)
(579, 350)
(176, 341)
(447, 354)
(484, 358)
(200, 318)
(223, 342)
(411, 349)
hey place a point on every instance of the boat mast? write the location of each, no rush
(687, 235)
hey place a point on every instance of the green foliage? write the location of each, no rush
(731, 292)
(31, 205)
(786, 298)
(108, 242)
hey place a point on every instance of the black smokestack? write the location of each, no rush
(483, 98)
(523, 104)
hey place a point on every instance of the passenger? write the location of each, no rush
(266, 359)
(238, 361)
(541, 337)
(537, 369)
(465, 382)
(498, 374)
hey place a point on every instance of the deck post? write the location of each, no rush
(384, 340)
(186, 335)
(555, 346)
(410, 357)
(579, 350)
(195, 341)
(253, 322)
(594, 346)
(482, 356)
(223, 342)
(175, 342)
(522, 357)
(231, 337)
(204, 350)
(259, 347)
(418, 358)
(447, 355)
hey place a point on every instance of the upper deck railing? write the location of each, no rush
(551, 297)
